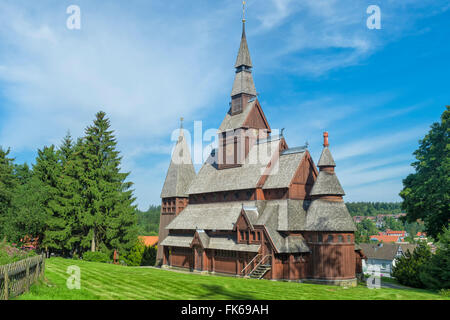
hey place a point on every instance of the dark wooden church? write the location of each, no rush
(256, 208)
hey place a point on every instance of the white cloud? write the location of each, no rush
(147, 66)
(370, 145)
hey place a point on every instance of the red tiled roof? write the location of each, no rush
(420, 234)
(393, 232)
(384, 238)
(149, 241)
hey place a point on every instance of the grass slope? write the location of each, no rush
(111, 282)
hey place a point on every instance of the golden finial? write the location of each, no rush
(243, 11)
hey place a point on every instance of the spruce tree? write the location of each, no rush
(109, 214)
(30, 216)
(8, 184)
(48, 171)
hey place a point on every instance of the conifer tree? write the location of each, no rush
(8, 183)
(48, 171)
(29, 217)
(109, 214)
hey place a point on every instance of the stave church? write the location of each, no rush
(257, 208)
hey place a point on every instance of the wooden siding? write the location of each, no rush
(303, 180)
(332, 260)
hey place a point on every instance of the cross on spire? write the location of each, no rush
(243, 11)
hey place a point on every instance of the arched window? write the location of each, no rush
(349, 239)
(320, 237)
(340, 239)
(330, 238)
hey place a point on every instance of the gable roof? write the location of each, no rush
(211, 179)
(240, 120)
(149, 241)
(214, 242)
(385, 238)
(284, 171)
(236, 121)
(209, 216)
(181, 171)
(202, 237)
(387, 251)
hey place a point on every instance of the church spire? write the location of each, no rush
(181, 170)
(243, 82)
(243, 60)
(327, 183)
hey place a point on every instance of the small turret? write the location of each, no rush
(327, 211)
(174, 197)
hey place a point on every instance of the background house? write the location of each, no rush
(382, 256)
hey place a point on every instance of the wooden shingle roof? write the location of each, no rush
(181, 171)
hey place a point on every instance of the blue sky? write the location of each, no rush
(316, 64)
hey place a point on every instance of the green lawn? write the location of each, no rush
(106, 281)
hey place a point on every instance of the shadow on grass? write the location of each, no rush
(214, 292)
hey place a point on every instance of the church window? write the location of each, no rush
(320, 237)
(349, 239)
(330, 238)
(259, 236)
(341, 239)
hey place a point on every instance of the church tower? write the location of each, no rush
(245, 122)
(243, 86)
(329, 226)
(174, 196)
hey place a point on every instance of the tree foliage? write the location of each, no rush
(148, 221)
(436, 273)
(426, 192)
(373, 208)
(75, 198)
(8, 183)
(408, 268)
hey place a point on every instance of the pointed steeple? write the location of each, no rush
(181, 170)
(326, 159)
(243, 58)
(243, 82)
(327, 183)
(328, 211)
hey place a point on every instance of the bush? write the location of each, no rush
(149, 256)
(408, 268)
(10, 254)
(96, 257)
(140, 255)
(444, 292)
(134, 257)
(436, 273)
